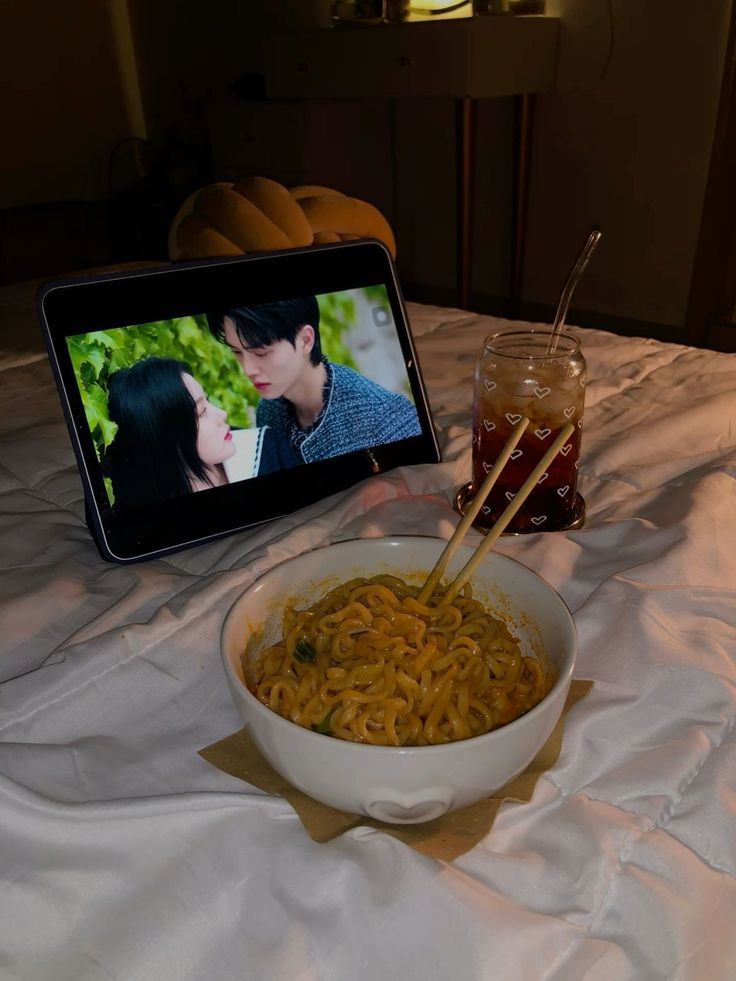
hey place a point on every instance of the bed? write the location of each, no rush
(124, 854)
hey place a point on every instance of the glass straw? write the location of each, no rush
(572, 281)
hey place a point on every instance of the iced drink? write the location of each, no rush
(515, 377)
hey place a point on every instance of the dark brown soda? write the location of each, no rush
(551, 504)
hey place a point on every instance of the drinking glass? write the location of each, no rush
(516, 376)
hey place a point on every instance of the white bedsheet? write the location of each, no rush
(123, 855)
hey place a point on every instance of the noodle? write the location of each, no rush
(369, 663)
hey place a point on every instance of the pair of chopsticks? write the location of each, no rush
(485, 546)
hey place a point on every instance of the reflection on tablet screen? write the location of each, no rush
(195, 402)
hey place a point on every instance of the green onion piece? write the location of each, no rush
(324, 726)
(304, 652)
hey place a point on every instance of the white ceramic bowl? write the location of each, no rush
(401, 785)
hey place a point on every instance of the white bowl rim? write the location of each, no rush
(562, 680)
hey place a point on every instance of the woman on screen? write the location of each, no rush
(171, 440)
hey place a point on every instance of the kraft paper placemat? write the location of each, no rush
(445, 838)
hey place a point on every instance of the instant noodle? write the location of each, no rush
(370, 663)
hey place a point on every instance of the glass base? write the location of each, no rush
(464, 498)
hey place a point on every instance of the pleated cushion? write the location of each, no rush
(257, 214)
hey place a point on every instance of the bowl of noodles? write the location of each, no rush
(375, 703)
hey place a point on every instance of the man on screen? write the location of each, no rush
(325, 408)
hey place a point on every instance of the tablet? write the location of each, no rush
(205, 397)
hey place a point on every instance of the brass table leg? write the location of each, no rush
(524, 110)
(465, 161)
(465, 126)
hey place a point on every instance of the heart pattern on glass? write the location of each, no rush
(516, 454)
(543, 478)
(542, 433)
(541, 392)
(510, 495)
(563, 490)
(486, 466)
(569, 412)
(485, 509)
(577, 464)
(513, 417)
(539, 519)
(490, 426)
(566, 449)
(489, 385)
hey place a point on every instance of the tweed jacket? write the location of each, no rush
(358, 414)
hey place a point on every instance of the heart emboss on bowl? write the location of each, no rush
(396, 808)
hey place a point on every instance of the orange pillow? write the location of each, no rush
(257, 214)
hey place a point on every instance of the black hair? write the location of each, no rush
(259, 326)
(154, 453)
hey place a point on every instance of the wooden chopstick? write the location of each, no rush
(470, 515)
(521, 495)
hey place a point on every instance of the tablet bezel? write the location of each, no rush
(77, 305)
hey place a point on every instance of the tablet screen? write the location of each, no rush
(191, 403)
(204, 398)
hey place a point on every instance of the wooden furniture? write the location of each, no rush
(711, 315)
(477, 58)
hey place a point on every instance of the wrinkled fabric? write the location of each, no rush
(123, 855)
